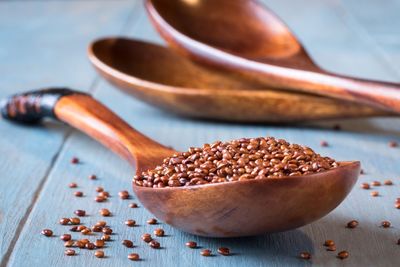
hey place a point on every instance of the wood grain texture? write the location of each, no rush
(334, 44)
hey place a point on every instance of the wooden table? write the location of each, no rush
(43, 43)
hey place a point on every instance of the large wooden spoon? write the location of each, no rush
(219, 210)
(161, 77)
(246, 37)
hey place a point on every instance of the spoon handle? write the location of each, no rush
(83, 112)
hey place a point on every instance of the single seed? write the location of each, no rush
(64, 221)
(80, 213)
(72, 185)
(127, 243)
(74, 229)
(130, 223)
(393, 144)
(78, 194)
(385, 224)
(154, 244)
(86, 231)
(159, 232)
(101, 223)
(397, 205)
(124, 194)
(305, 255)
(69, 252)
(65, 237)
(146, 238)
(343, 255)
(81, 227)
(328, 243)
(205, 252)
(223, 251)
(99, 254)
(152, 221)
(79, 244)
(99, 243)
(99, 189)
(365, 186)
(68, 243)
(388, 182)
(99, 199)
(107, 230)
(104, 194)
(374, 193)
(74, 160)
(47, 232)
(85, 241)
(133, 205)
(96, 228)
(331, 248)
(90, 246)
(133, 257)
(92, 177)
(104, 212)
(75, 220)
(191, 244)
(106, 237)
(324, 144)
(376, 183)
(352, 224)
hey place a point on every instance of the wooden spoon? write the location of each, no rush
(162, 78)
(246, 37)
(217, 210)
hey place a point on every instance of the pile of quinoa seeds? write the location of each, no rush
(236, 160)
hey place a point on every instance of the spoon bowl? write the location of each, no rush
(228, 209)
(247, 38)
(158, 76)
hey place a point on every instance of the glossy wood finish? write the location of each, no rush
(246, 37)
(162, 78)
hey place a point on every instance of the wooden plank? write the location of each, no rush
(42, 44)
(369, 245)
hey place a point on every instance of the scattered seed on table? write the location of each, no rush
(79, 244)
(154, 244)
(81, 227)
(69, 243)
(74, 160)
(72, 185)
(90, 246)
(75, 220)
(365, 186)
(305, 255)
(159, 232)
(80, 213)
(92, 177)
(99, 254)
(96, 228)
(123, 194)
(152, 221)
(127, 243)
(133, 205)
(223, 251)
(99, 189)
(376, 183)
(107, 230)
(393, 144)
(343, 255)
(106, 237)
(78, 194)
(86, 231)
(104, 212)
(99, 243)
(146, 238)
(74, 229)
(331, 248)
(104, 194)
(47, 232)
(385, 224)
(352, 224)
(69, 252)
(374, 193)
(205, 252)
(85, 241)
(64, 221)
(133, 257)
(65, 237)
(100, 199)
(130, 223)
(191, 244)
(324, 143)
(101, 223)
(328, 243)
(388, 182)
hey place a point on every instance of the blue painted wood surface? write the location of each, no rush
(44, 43)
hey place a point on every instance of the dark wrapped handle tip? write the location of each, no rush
(33, 106)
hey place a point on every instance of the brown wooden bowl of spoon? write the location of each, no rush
(228, 209)
(247, 38)
(159, 76)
